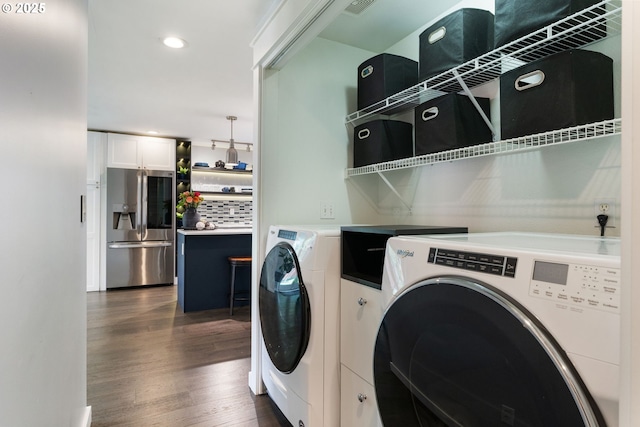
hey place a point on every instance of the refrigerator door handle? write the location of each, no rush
(139, 203)
(145, 200)
(139, 245)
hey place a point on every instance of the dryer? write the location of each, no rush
(499, 329)
(299, 303)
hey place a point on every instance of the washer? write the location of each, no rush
(299, 305)
(499, 329)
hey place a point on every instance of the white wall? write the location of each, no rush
(546, 190)
(42, 256)
(630, 352)
(305, 144)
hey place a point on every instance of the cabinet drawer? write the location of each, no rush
(360, 317)
(358, 405)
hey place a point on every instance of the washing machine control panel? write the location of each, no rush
(576, 285)
(287, 234)
(481, 262)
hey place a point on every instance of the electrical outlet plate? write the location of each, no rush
(326, 210)
(607, 207)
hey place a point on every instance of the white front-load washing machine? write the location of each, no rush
(499, 329)
(299, 306)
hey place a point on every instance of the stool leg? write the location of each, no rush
(233, 289)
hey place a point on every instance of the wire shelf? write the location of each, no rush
(592, 24)
(529, 142)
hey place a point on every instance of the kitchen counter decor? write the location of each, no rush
(187, 204)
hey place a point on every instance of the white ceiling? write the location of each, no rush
(385, 22)
(136, 84)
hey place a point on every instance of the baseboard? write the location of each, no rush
(86, 417)
(255, 384)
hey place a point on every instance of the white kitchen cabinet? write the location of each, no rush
(360, 315)
(159, 154)
(122, 151)
(140, 152)
(358, 406)
(96, 143)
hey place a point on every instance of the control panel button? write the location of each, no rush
(484, 263)
(586, 287)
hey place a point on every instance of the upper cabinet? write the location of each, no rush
(140, 152)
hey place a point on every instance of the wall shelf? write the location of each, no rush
(229, 193)
(214, 182)
(183, 159)
(220, 170)
(569, 135)
(595, 23)
(530, 142)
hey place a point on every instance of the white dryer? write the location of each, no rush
(299, 305)
(499, 329)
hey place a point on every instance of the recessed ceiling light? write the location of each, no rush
(174, 42)
(152, 132)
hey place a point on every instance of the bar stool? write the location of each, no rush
(234, 262)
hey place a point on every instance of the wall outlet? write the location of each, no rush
(606, 207)
(326, 210)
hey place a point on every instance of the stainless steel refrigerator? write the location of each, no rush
(140, 227)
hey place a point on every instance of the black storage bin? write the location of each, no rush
(363, 248)
(455, 39)
(384, 75)
(381, 141)
(450, 121)
(517, 18)
(562, 90)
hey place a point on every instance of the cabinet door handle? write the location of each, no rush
(362, 397)
(83, 208)
(362, 301)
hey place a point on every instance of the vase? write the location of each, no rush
(189, 218)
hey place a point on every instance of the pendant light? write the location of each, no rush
(232, 153)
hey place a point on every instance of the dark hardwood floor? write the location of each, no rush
(149, 364)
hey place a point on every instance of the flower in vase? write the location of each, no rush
(189, 199)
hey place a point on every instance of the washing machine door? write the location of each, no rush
(456, 352)
(285, 315)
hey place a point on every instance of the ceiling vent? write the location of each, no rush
(358, 6)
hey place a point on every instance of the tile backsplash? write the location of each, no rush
(227, 211)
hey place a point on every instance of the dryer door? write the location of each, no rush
(285, 315)
(456, 352)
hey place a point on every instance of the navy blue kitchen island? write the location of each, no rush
(203, 267)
